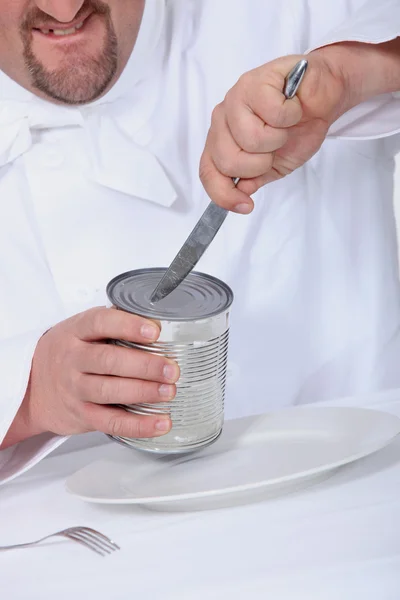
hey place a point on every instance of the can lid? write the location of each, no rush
(199, 296)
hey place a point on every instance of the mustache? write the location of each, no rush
(37, 17)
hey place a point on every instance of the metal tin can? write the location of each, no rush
(194, 332)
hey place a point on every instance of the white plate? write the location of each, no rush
(254, 458)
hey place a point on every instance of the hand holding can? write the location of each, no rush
(77, 378)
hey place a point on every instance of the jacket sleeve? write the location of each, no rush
(15, 363)
(29, 306)
(374, 23)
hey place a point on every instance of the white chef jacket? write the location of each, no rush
(89, 192)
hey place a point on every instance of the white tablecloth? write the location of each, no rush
(337, 540)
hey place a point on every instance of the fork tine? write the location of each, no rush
(105, 543)
(95, 537)
(99, 543)
(84, 542)
(92, 542)
(99, 535)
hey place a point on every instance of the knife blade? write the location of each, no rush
(211, 220)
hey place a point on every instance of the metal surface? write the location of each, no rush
(207, 227)
(200, 296)
(192, 250)
(198, 342)
(90, 538)
(294, 79)
(158, 452)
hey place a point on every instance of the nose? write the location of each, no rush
(63, 11)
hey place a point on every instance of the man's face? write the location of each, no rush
(68, 51)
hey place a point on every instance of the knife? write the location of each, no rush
(207, 227)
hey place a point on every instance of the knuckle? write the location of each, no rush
(206, 170)
(97, 322)
(245, 80)
(86, 416)
(234, 99)
(251, 186)
(140, 392)
(116, 425)
(73, 324)
(277, 113)
(81, 351)
(217, 114)
(251, 139)
(228, 165)
(104, 394)
(147, 365)
(107, 358)
(268, 160)
(70, 358)
(130, 326)
(75, 345)
(126, 425)
(138, 428)
(85, 355)
(77, 383)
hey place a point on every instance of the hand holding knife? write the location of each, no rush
(207, 227)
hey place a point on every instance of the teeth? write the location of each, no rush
(69, 31)
(64, 31)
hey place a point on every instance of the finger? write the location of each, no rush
(221, 189)
(107, 323)
(249, 130)
(118, 422)
(262, 91)
(273, 108)
(121, 390)
(251, 186)
(283, 164)
(229, 157)
(110, 359)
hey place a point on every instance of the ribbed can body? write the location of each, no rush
(198, 345)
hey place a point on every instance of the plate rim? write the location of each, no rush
(241, 488)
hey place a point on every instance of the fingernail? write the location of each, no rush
(166, 391)
(149, 332)
(171, 372)
(243, 209)
(163, 425)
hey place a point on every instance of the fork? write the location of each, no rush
(90, 538)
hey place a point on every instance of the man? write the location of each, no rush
(104, 112)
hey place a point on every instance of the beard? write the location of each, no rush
(80, 78)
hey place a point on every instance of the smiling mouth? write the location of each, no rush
(69, 31)
(62, 31)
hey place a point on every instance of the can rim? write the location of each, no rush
(154, 315)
